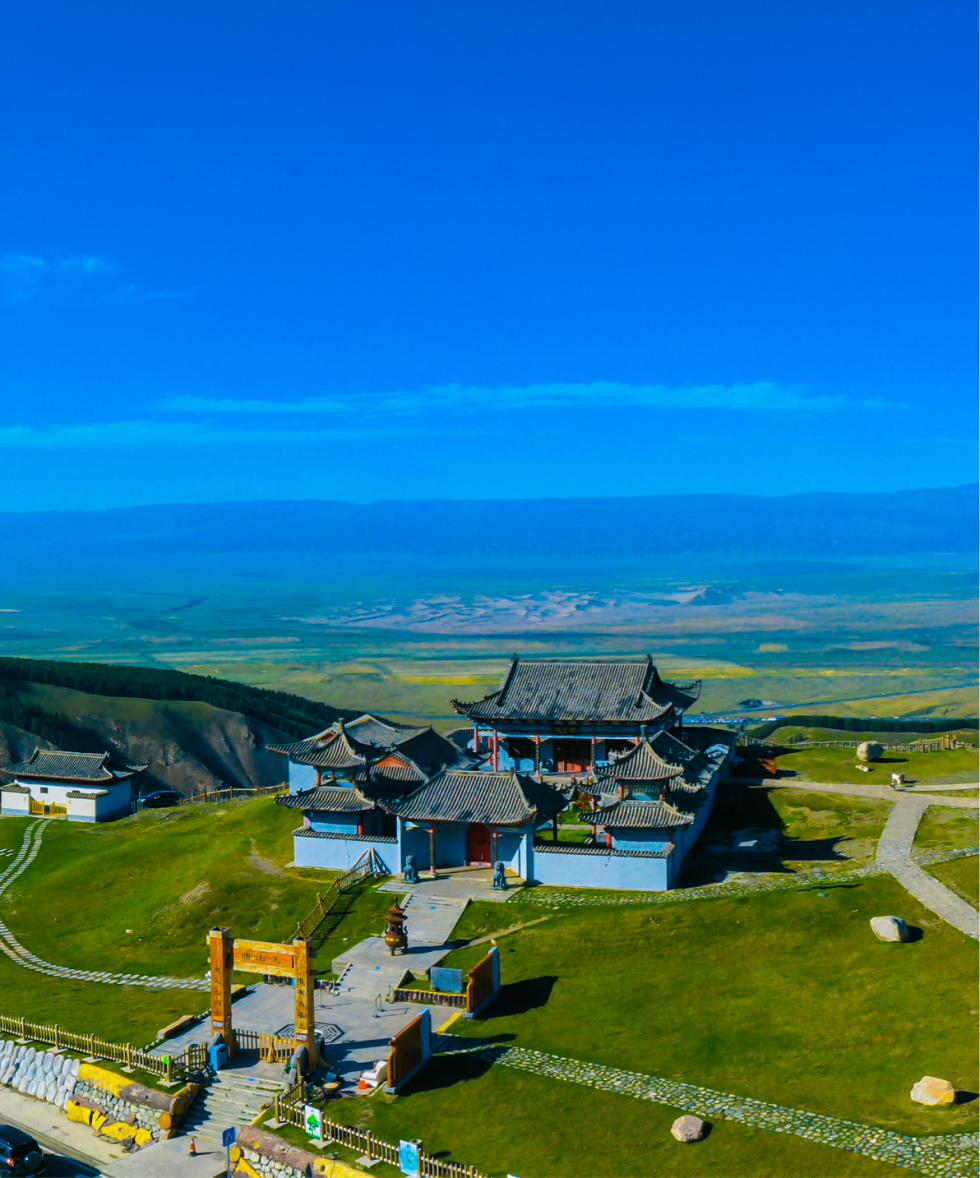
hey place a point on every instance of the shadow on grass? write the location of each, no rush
(445, 1071)
(520, 997)
(741, 805)
(964, 1097)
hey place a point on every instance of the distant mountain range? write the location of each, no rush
(814, 525)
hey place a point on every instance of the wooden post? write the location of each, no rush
(221, 943)
(432, 850)
(554, 828)
(593, 750)
(476, 739)
(305, 1014)
(367, 1148)
(496, 751)
(170, 1070)
(57, 1037)
(537, 755)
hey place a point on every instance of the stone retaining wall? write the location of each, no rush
(111, 1104)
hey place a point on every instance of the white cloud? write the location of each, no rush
(760, 395)
(155, 433)
(67, 280)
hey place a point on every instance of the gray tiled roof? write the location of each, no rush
(580, 849)
(332, 749)
(500, 799)
(46, 765)
(557, 690)
(636, 813)
(14, 789)
(368, 729)
(306, 833)
(640, 763)
(355, 746)
(337, 799)
(81, 795)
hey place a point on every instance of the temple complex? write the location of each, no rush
(495, 793)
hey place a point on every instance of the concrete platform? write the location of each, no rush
(456, 883)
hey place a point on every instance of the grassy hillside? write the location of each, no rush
(840, 765)
(168, 875)
(288, 713)
(791, 733)
(962, 876)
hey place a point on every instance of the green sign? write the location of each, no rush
(313, 1122)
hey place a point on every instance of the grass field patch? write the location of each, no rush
(783, 996)
(947, 826)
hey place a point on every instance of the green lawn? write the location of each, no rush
(783, 996)
(840, 765)
(169, 875)
(508, 1122)
(961, 875)
(947, 826)
(816, 829)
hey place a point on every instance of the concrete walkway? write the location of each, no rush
(55, 1132)
(895, 855)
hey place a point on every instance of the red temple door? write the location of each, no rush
(478, 843)
(573, 756)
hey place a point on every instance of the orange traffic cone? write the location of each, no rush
(193, 1149)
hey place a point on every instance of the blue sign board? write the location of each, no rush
(228, 1136)
(448, 980)
(408, 1157)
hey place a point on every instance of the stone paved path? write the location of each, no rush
(895, 856)
(21, 956)
(938, 1157)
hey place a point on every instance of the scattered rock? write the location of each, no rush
(689, 1128)
(889, 928)
(930, 1090)
(869, 750)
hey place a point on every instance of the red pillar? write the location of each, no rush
(496, 751)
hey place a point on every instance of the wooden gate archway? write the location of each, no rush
(292, 960)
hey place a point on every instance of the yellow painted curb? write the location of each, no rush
(328, 1168)
(449, 1021)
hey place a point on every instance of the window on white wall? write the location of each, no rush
(44, 789)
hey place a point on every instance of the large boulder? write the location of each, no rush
(689, 1128)
(869, 750)
(930, 1090)
(889, 928)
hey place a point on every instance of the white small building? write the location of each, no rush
(82, 787)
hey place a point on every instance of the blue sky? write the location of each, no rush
(424, 250)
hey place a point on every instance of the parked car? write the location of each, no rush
(19, 1152)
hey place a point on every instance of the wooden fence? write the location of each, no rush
(429, 997)
(233, 794)
(272, 1048)
(937, 745)
(289, 1110)
(369, 864)
(193, 1057)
